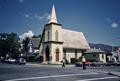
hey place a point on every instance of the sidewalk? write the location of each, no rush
(114, 73)
(48, 65)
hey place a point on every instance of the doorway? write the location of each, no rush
(47, 51)
(57, 55)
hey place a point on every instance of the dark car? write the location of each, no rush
(113, 63)
(21, 61)
(98, 63)
(78, 64)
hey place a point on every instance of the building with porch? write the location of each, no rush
(98, 55)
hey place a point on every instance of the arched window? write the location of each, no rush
(56, 35)
(57, 55)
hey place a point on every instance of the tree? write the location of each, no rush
(25, 44)
(9, 45)
(37, 36)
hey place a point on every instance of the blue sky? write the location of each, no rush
(99, 20)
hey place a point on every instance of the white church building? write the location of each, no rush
(57, 42)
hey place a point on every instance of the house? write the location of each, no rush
(57, 43)
(116, 55)
(97, 55)
(33, 45)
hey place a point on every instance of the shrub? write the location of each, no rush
(73, 60)
(79, 59)
(66, 61)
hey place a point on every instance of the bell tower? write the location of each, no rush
(53, 44)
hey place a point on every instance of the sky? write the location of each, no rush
(99, 20)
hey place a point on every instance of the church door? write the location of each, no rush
(57, 55)
(47, 54)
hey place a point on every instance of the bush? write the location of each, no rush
(73, 60)
(79, 59)
(39, 59)
(31, 59)
(66, 61)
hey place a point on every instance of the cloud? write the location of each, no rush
(28, 34)
(26, 16)
(114, 25)
(21, 1)
(45, 16)
(109, 19)
(112, 22)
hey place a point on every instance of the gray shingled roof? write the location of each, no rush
(74, 39)
(35, 42)
(94, 51)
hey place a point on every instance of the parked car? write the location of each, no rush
(98, 63)
(113, 64)
(21, 61)
(11, 60)
(78, 64)
(88, 63)
(2, 60)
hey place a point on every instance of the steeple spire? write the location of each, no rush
(53, 18)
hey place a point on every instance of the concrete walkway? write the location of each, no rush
(49, 65)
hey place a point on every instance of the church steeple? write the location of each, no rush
(53, 18)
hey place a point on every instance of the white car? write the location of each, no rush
(11, 60)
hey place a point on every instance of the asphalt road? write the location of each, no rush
(11, 72)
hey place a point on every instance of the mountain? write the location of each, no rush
(104, 47)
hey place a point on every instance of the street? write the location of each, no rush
(11, 72)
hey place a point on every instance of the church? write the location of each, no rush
(57, 43)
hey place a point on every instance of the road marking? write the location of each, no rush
(43, 77)
(97, 79)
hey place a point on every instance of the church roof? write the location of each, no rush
(74, 39)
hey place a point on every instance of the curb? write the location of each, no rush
(114, 73)
(42, 65)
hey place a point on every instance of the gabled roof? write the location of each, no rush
(74, 39)
(95, 51)
(35, 42)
